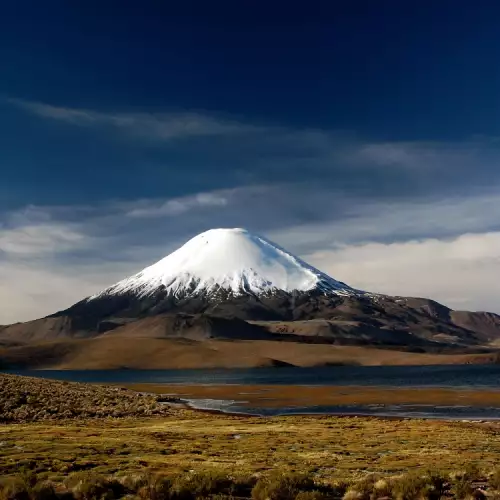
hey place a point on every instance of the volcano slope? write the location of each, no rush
(228, 287)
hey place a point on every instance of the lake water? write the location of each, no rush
(449, 376)
(466, 376)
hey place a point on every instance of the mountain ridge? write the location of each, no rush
(231, 285)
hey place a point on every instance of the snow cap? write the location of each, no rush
(232, 259)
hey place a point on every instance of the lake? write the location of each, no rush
(476, 377)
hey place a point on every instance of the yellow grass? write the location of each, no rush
(331, 447)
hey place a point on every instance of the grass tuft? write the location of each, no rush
(282, 487)
(417, 486)
(494, 480)
(200, 485)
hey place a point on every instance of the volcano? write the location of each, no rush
(231, 284)
(224, 272)
(233, 261)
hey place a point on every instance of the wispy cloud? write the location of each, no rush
(39, 239)
(161, 126)
(179, 206)
(356, 220)
(419, 155)
(262, 153)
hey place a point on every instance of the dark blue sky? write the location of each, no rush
(126, 127)
(383, 71)
(388, 69)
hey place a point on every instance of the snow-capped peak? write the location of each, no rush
(234, 260)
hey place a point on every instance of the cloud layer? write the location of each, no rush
(51, 257)
(461, 272)
(411, 218)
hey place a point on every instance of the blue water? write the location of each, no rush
(466, 376)
(449, 376)
(380, 410)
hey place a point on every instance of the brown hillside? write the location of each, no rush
(143, 353)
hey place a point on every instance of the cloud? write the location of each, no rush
(39, 239)
(179, 206)
(160, 126)
(354, 220)
(417, 155)
(444, 249)
(36, 289)
(70, 115)
(461, 272)
(319, 193)
(192, 151)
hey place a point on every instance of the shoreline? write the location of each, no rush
(361, 401)
(336, 401)
(275, 396)
(347, 415)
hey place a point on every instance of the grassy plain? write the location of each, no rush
(328, 447)
(161, 452)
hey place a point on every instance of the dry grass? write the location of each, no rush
(27, 399)
(183, 455)
(279, 485)
(332, 447)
